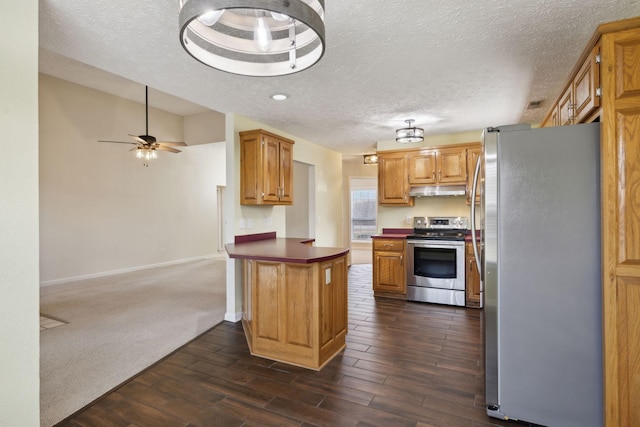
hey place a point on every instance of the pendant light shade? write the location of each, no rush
(254, 38)
(370, 159)
(409, 134)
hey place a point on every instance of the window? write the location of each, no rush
(364, 203)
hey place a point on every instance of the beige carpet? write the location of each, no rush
(118, 326)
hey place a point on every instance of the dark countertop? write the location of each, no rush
(285, 249)
(401, 233)
(393, 233)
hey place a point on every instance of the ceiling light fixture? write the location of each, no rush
(409, 134)
(279, 96)
(268, 38)
(146, 145)
(370, 159)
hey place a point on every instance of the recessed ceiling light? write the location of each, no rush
(279, 97)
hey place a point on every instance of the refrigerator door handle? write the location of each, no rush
(474, 240)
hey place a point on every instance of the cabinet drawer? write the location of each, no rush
(388, 245)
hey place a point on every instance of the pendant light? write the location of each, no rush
(409, 134)
(253, 38)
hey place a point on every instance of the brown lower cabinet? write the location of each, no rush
(295, 313)
(472, 278)
(389, 269)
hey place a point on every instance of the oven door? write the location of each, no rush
(436, 264)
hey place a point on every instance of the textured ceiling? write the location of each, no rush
(453, 66)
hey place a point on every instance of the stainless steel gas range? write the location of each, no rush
(436, 260)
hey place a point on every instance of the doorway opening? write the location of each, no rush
(300, 217)
(363, 207)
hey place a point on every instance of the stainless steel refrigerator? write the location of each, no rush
(539, 256)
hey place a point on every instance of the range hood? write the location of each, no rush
(437, 190)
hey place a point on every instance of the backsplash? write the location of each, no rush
(396, 217)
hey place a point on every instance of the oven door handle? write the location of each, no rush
(474, 240)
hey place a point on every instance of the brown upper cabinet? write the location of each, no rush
(266, 168)
(438, 166)
(443, 165)
(473, 154)
(393, 179)
(581, 97)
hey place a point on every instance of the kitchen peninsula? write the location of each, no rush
(294, 298)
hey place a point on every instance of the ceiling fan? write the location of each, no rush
(146, 146)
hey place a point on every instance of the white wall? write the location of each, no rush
(19, 292)
(396, 217)
(298, 215)
(101, 210)
(204, 128)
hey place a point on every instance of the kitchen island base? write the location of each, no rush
(293, 312)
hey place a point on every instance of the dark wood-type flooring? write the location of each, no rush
(406, 364)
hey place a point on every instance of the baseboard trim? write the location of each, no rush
(128, 270)
(233, 317)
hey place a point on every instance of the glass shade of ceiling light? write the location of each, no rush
(247, 37)
(409, 134)
(146, 154)
(262, 34)
(370, 159)
(211, 17)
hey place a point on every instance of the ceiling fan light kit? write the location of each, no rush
(254, 38)
(409, 134)
(146, 145)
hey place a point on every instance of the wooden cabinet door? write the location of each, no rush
(473, 154)
(341, 280)
(393, 180)
(620, 130)
(271, 169)
(452, 166)
(295, 305)
(267, 299)
(266, 168)
(422, 168)
(585, 84)
(565, 108)
(333, 301)
(251, 169)
(389, 272)
(327, 297)
(472, 279)
(286, 174)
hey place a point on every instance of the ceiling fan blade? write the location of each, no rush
(119, 142)
(169, 149)
(137, 138)
(172, 144)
